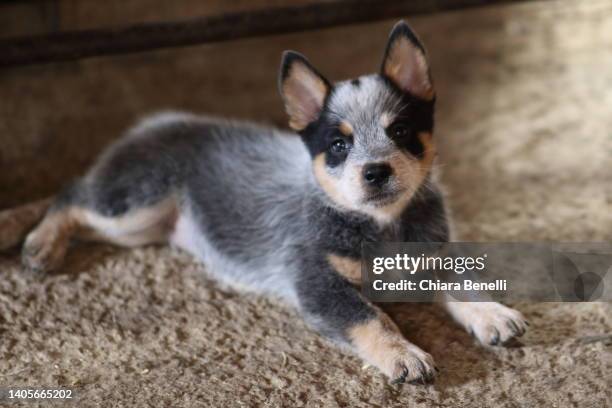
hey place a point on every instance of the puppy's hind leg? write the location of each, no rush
(15, 223)
(72, 217)
(45, 247)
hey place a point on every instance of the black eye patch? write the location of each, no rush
(406, 138)
(338, 147)
(324, 137)
(418, 115)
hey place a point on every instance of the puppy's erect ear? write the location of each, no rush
(405, 63)
(303, 90)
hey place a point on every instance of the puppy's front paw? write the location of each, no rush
(410, 364)
(491, 323)
(380, 343)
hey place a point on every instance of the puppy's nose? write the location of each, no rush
(377, 174)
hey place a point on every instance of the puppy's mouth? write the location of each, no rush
(382, 198)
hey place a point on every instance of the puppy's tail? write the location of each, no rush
(15, 223)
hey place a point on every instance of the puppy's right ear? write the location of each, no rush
(303, 90)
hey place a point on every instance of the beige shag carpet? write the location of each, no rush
(525, 125)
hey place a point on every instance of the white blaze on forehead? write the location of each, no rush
(386, 119)
(363, 104)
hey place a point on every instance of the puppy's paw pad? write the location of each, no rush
(495, 324)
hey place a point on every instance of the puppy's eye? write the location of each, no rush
(399, 131)
(338, 146)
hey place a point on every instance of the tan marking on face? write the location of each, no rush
(304, 94)
(328, 183)
(408, 177)
(345, 128)
(429, 154)
(411, 173)
(347, 267)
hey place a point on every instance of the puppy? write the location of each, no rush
(285, 213)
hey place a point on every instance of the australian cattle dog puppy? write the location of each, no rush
(286, 212)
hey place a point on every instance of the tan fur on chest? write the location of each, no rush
(349, 268)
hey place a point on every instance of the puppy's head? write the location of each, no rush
(370, 137)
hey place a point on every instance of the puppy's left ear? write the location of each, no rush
(405, 63)
(303, 90)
